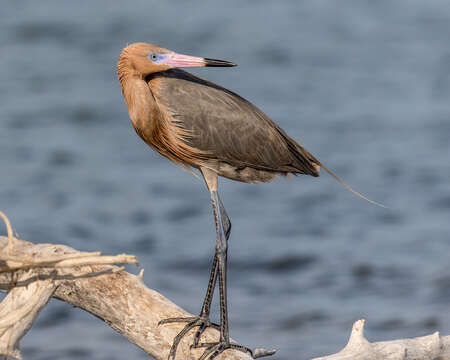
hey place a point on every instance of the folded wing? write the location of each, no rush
(227, 127)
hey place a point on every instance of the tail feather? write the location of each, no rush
(311, 166)
(335, 177)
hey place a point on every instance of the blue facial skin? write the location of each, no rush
(156, 58)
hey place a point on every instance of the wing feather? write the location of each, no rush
(226, 126)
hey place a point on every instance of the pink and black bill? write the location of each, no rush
(180, 60)
(215, 62)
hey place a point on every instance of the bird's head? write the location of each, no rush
(146, 59)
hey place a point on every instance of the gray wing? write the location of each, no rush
(228, 127)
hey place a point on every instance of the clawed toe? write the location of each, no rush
(212, 349)
(202, 322)
(215, 349)
(202, 327)
(179, 319)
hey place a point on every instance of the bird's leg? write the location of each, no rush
(202, 321)
(226, 229)
(218, 270)
(221, 255)
(216, 348)
(206, 307)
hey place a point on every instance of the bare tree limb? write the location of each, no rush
(431, 347)
(34, 273)
(119, 298)
(18, 312)
(9, 230)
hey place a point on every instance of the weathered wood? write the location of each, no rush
(18, 311)
(128, 306)
(431, 347)
(119, 298)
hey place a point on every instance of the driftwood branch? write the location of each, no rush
(431, 347)
(18, 312)
(31, 277)
(33, 273)
(40, 271)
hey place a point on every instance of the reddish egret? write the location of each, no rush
(199, 124)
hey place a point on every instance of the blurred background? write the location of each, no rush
(363, 85)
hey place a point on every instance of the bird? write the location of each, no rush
(213, 131)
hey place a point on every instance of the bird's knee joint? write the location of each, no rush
(221, 248)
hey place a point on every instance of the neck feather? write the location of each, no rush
(138, 97)
(124, 67)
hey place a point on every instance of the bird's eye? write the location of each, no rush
(153, 57)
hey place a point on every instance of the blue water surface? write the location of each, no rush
(364, 85)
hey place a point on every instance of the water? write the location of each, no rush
(363, 85)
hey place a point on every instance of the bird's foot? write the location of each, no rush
(216, 348)
(202, 322)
